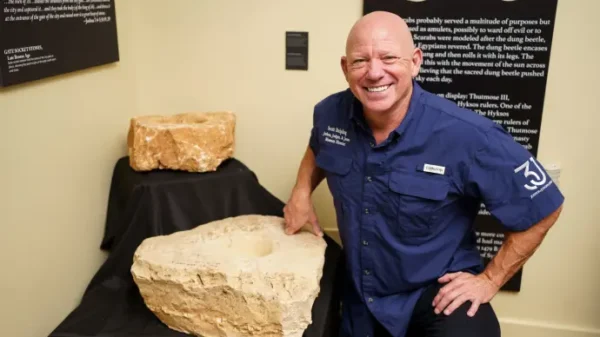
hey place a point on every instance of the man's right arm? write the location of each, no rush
(309, 175)
(299, 210)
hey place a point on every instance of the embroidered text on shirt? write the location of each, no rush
(336, 136)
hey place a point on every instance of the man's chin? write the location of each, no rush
(379, 106)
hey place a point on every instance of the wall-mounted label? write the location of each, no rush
(296, 50)
(43, 38)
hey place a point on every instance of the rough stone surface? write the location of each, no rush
(195, 142)
(240, 276)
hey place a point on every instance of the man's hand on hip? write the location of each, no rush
(298, 212)
(461, 287)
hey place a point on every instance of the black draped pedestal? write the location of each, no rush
(143, 205)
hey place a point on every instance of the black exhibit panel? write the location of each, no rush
(492, 57)
(44, 38)
(296, 50)
(147, 204)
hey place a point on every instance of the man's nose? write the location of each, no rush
(375, 70)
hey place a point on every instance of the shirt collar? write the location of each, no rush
(356, 111)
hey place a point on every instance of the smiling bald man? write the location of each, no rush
(408, 171)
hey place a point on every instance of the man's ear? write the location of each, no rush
(344, 65)
(417, 61)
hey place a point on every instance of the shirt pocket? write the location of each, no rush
(413, 202)
(337, 169)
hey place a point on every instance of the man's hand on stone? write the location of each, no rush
(462, 287)
(298, 212)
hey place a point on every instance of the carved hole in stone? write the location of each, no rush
(174, 120)
(185, 120)
(251, 246)
(200, 120)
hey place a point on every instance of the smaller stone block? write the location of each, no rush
(194, 142)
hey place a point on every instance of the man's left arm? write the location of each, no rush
(517, 248)
(520, 194)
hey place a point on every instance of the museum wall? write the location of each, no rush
(60, 138)
(230, 55)
(206, 55)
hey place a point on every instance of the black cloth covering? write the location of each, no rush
(146, 204)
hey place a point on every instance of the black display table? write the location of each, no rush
(143, 205)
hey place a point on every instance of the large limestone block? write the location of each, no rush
(235, 277)
(195, 142)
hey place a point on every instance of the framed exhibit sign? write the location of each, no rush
(490, 56)
(296, 50)
(43, 38)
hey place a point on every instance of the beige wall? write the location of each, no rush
(60, 139)
(229, 54)
(206, 55)
(560, 285)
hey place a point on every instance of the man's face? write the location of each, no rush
(379, 69)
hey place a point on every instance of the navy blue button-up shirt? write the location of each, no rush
(405, 207)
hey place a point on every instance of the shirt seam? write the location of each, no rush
(481, 128)
(484, 130)
(486, 146)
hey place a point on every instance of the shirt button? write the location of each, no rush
(372, 144)
(366, 211)
(370, 300)
(367, 272)
(365, 243)
(369, 179)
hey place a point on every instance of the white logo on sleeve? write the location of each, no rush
(536, 177)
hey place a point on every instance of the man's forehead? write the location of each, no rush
(377, 36)
(380, 29)
(375, 45)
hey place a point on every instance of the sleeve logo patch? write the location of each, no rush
(535, 175)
